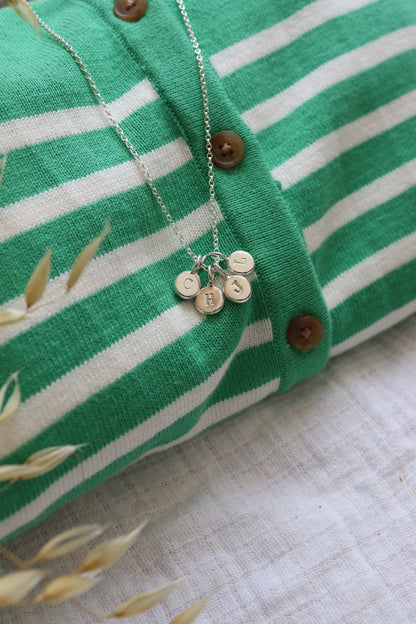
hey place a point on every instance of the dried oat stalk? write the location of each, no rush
(39, 463)
(68, 586)
(15, 472)
(13, 401)
(191, 613)
(86, 255)
(144, 601)
(104, 555)
(33, 292)
(67, 542)
(48, 458)
(16, 585)
(39, 279)
(25, 12)
(9, 315)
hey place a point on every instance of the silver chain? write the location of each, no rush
(133, 152)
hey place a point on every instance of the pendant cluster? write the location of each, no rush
(210, 299)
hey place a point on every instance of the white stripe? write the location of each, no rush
(108, 268)
(65, 394)
(33, 129)
(221, 410)
(369, 270)
(271, 39)
(323, 151)
(338, 69)
(376, 328)
(61, 396)
(140, 434)
(33, 211)
(358, 203)
(256, 334)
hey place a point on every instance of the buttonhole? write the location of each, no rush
(226, 149)
(305, 332)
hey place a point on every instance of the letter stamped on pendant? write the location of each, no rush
(241, 262)
(237, 288)
(188, 284)
(209, 300)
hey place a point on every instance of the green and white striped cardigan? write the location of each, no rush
(323, 94)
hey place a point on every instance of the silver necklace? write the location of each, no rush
(235, 286)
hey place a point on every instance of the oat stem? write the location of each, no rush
(14, 558)
(94, 616)
(82, 497)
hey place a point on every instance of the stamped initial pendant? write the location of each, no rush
(241, 262)
(188, 284)
(237, 288)
(210, 299)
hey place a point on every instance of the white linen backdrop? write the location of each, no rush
(300, 510)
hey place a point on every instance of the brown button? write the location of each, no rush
(130, 10)
(305, 332)
(227, 149)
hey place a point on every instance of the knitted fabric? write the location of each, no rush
(323, 95)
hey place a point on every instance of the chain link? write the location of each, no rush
(207, 124)
(197, 50)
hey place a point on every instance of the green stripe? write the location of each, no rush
(238, 379)
(134, 215)
(226, 30)
(287, 65)
(339, 105)
(100, 315)
(311, 197)
(374, 302)
(39, 77)
(95, 150)
(141, 392)
(121, 408)
(66, 83)
(364, 236)
(232, 384)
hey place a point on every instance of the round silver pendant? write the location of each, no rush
(188, 284)
(237, 288)
(209, 300)
(241, 262)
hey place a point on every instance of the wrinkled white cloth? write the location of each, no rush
(301, 510)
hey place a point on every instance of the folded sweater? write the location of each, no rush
(322, 94)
